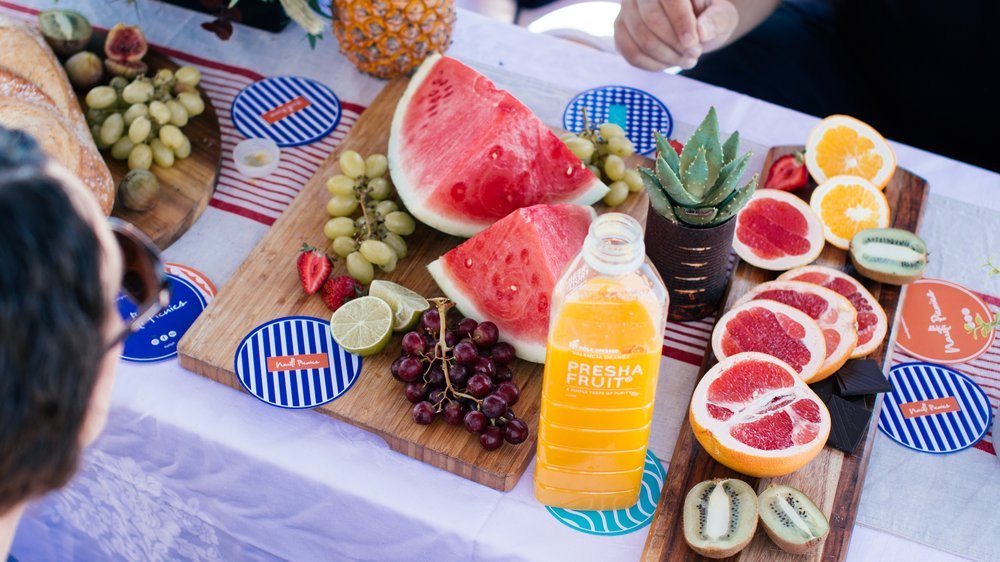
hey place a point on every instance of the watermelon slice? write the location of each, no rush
(464, 154)
(506, 273)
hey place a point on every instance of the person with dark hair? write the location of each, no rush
(912, 69)
(62, 265)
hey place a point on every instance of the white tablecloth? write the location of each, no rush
(189, 469)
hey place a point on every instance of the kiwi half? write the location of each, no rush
(889, 255)
(720, 517)
(66, 31)
(791, 519)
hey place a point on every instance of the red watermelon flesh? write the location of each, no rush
(506, 273)
(463, 154)
(773, 229)
(772, 425)
(759, 329)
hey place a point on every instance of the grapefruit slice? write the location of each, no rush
(872, 322)
(835, 315)
(777, 231)
(464, 154)
(506, 273)
(754, 415)
(775, 329)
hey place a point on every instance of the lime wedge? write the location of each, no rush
(362, 326)
(406, 305)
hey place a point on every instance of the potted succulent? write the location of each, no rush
(693, 198)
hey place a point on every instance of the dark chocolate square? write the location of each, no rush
(861, 376)
(825, 388)
(848, 424)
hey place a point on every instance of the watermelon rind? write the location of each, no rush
(527, 350)
(404, 182)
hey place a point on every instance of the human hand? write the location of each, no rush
(656, 34)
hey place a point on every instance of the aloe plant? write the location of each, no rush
(699, 187)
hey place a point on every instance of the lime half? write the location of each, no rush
(362, 326)
(406, 305)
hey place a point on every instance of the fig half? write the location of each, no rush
(125, 43)
(791, 519)
(889, 255)
(66, 31)
(720, 517)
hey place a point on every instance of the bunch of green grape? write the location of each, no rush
(141, 120)
(604, 151)
(366, 227)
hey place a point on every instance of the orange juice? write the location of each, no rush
(601, 368)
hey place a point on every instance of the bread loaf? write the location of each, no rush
(36, 97)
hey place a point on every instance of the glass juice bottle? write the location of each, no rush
(601, 367)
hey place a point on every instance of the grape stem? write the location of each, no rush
(364, 211)
(443, 305)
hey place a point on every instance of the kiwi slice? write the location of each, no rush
(66, 31)
(791, 519)
(889, 255)
(720, 517)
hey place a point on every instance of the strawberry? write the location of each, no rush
(678, 146)
(314, 268)
(340, 289)
(787, 173)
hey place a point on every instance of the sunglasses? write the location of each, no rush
(144, 281)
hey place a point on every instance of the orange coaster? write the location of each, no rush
(936, 320)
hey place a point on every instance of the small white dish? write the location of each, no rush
(256, 158)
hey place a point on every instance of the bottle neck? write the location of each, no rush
(614, 244)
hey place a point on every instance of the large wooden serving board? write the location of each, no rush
(186, 188)
(266, 287)
(833, 480)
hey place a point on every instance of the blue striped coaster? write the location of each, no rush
(638, 112)
(294, 363)
(619, 521)
(290, 110)
(934, 409)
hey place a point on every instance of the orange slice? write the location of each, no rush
(775, 329)
(835, 315)
(842, 145)
(846, 205)
(753, 414)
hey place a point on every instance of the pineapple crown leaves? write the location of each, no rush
(700, 187)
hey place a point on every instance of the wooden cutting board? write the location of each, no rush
(266, 287)
(185, 188)
(833, 480)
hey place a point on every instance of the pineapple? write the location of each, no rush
(699, 187)
(387, 38)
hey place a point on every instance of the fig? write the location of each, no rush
(889, 255)
(125, 43)
(720, 517)
(66, 31)
(791, 519)
(84, 70)
(139, 190)
(125, 69)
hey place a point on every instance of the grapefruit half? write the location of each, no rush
(775, 329)
(754, 415)
(872, 322)
(835, 315)
(777, 231)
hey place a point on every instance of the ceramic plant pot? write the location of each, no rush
(693, 262)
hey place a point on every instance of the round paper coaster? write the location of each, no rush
(290, 110)
(157, 339)
(934, 409)
(199, 279)
(619, 521)
(937, 322)
(293, 362)
(641, 112)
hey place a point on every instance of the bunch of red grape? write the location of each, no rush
(458, 369)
